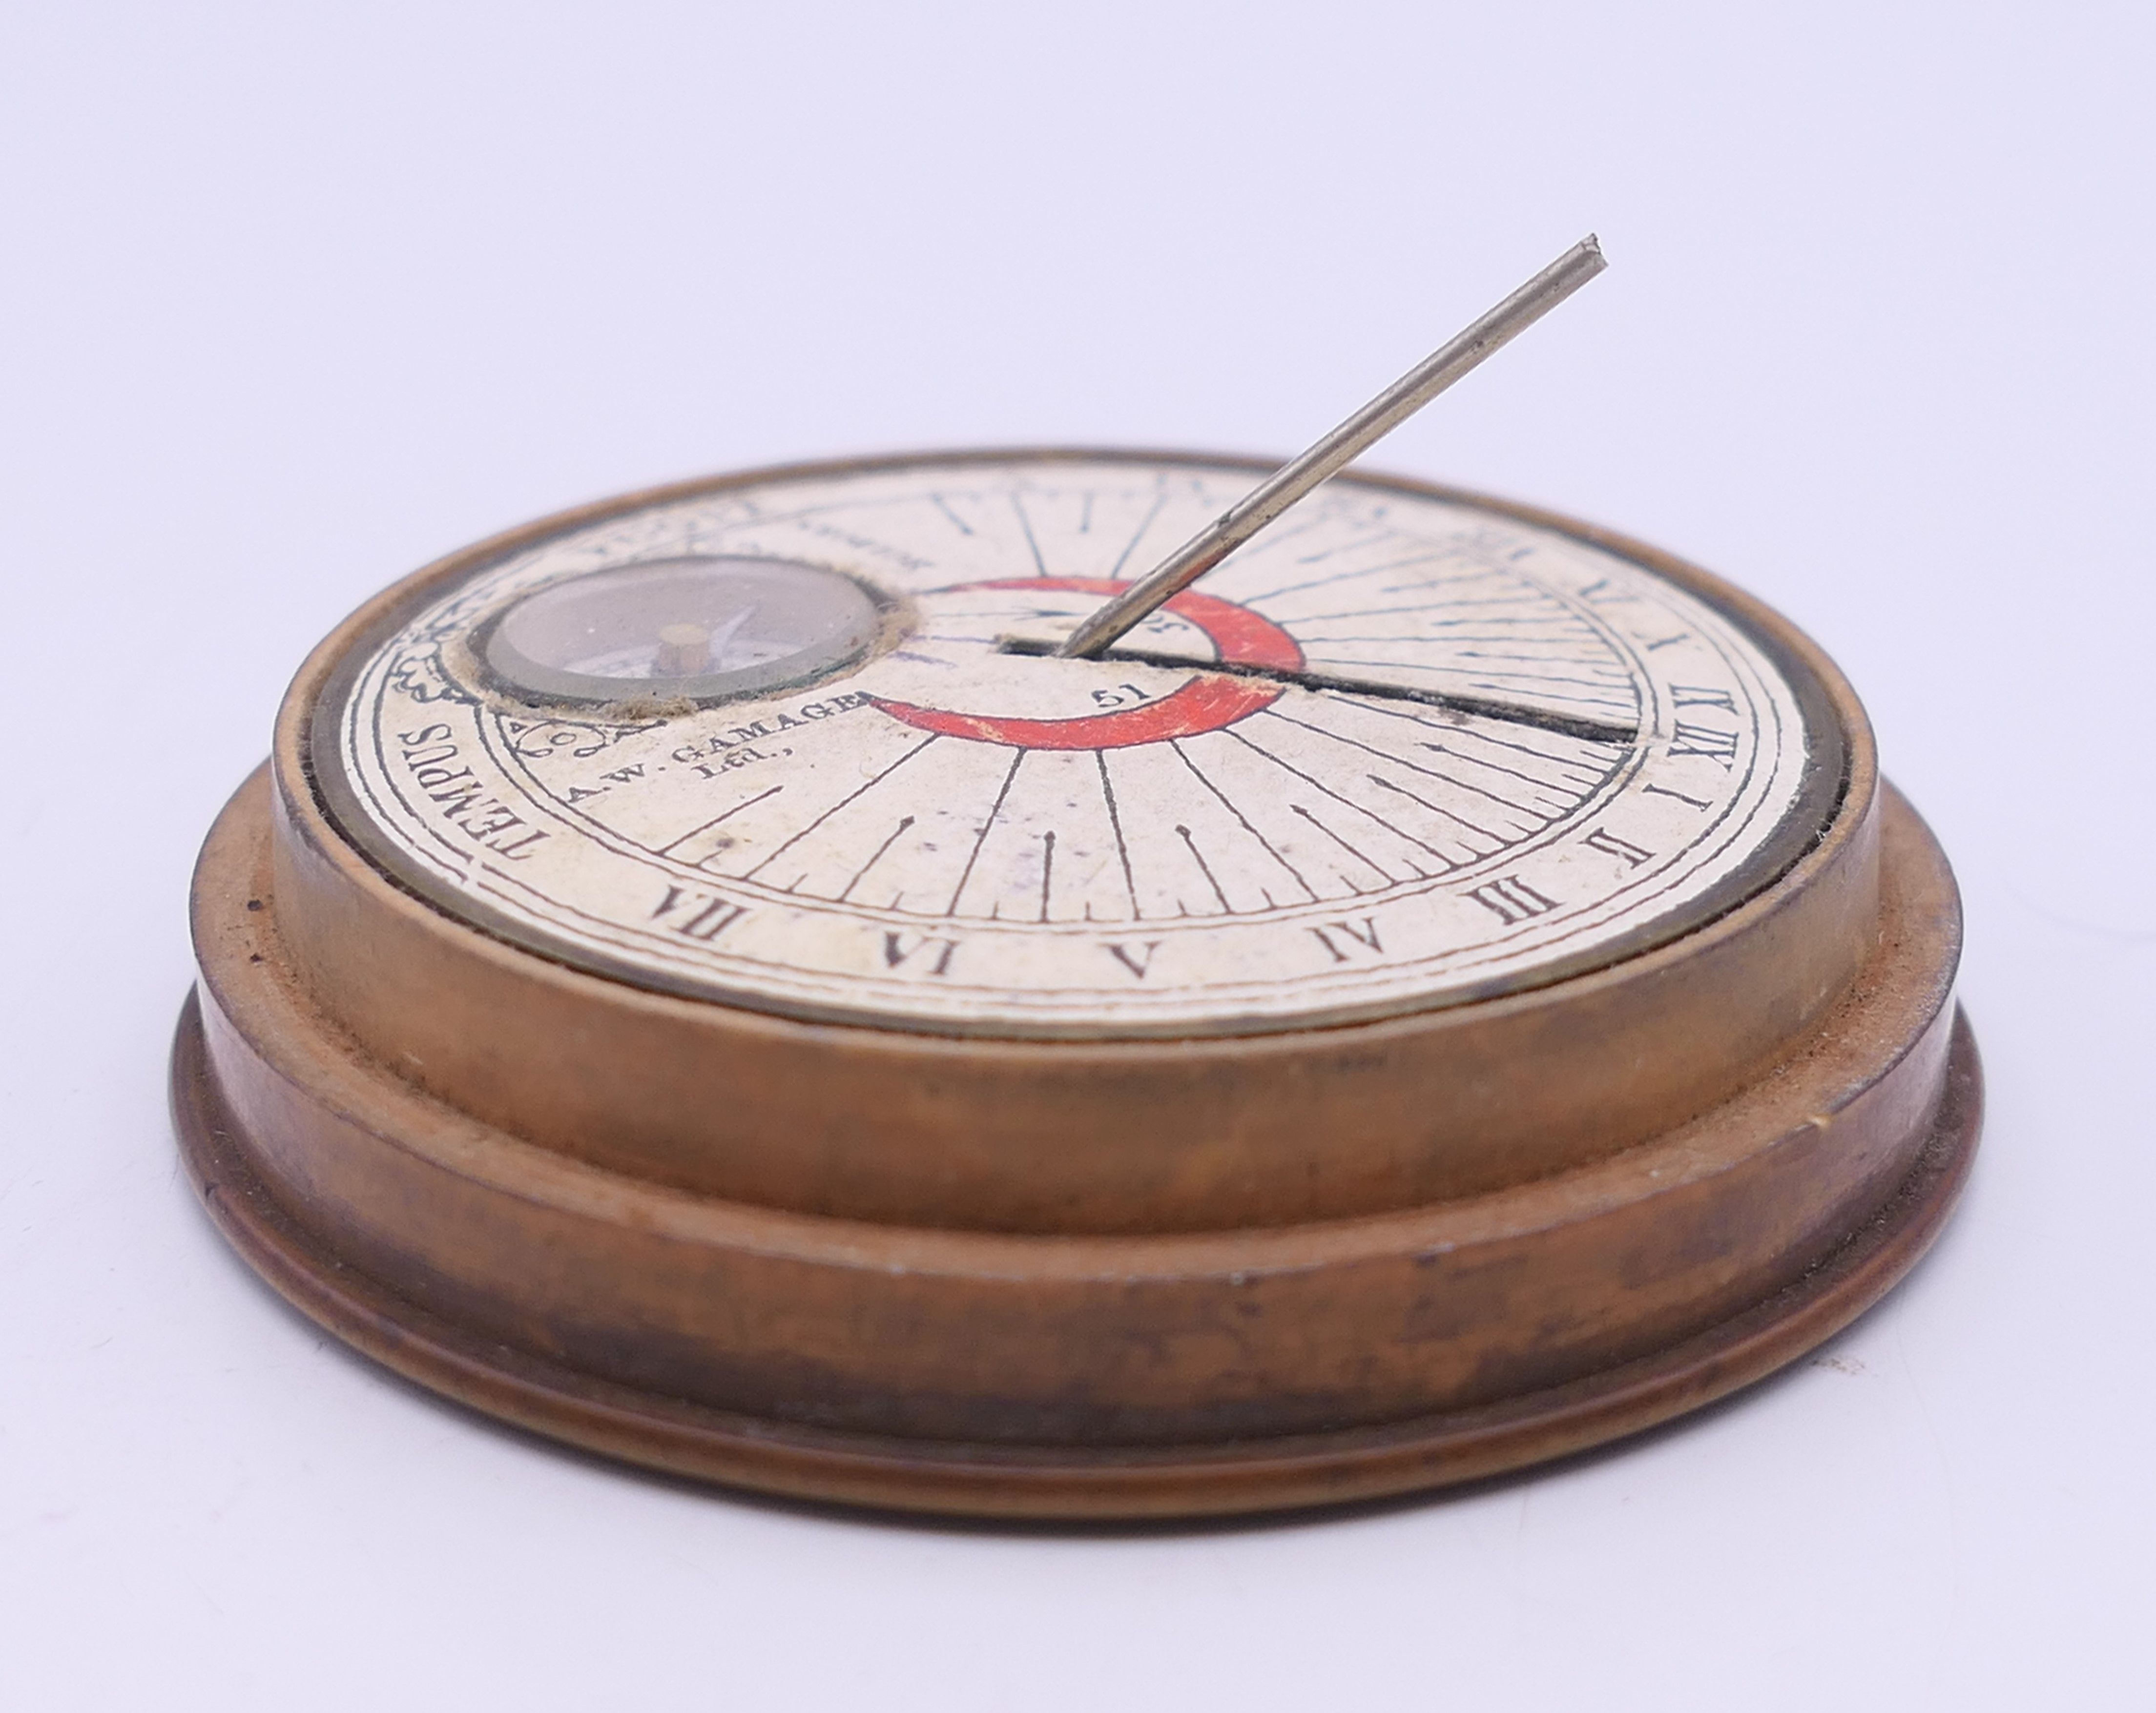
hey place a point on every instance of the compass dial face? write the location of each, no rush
(1403, 751)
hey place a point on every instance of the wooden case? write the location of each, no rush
(1081, 1278)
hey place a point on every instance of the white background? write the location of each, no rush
(293, 298)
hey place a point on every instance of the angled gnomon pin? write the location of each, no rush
(1378, 418)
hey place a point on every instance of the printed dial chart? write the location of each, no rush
(1402, 750)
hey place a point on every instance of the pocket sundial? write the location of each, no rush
(1077, 983)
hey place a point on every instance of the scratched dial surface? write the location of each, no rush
(1403, 751)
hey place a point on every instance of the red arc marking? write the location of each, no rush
(1205, 704)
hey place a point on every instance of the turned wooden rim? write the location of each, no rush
(1074, 1482)
(1116, 1343)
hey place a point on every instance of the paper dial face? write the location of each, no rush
(1401, 752)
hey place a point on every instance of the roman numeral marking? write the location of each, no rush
(1365, 936)
(896, 951)
(1513, 899)
(1665, 642)
(1697, 695)
(1697, 802)
(1719, 747)
(1138, 966)
(708, 914)
(1596, 592)
(1609, 844)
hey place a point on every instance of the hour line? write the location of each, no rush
(1204, 868)
(841, 804)
(1319, 583)
(944, 506)
(1543, 677)
(1205, 780)
(1297, 808)
(1318, 558)
(1318, 642)
(1525, 749)
(1025, 523)
(861, 873)
(669, 848)
(1494, 766)
(1412, 766)
(1418, 606)
(995, 809)
(1387, 785)
(1532, 677)
(1116, 823)
(1369, 814)
(1159, 499)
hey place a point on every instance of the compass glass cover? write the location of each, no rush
(702, 627)
(791, 742)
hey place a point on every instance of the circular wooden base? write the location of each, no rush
(1074, 1482)
(1082, 1374)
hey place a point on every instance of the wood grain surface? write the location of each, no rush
(1099, 1372)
